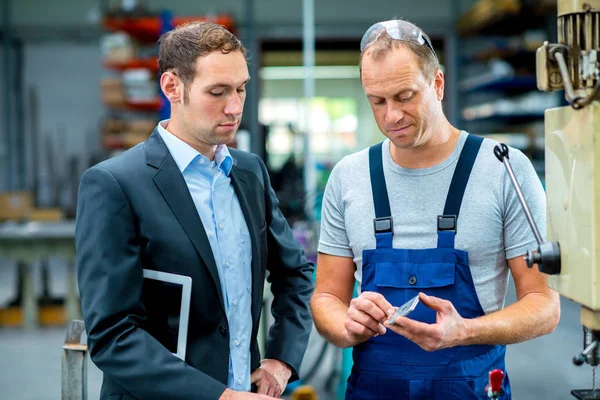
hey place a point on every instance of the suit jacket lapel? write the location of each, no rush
(242, 187)
(172, 186)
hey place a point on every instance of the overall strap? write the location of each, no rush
(383, 225)
(447, 221)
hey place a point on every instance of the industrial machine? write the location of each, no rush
(571, 257)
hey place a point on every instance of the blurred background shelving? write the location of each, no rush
(130, 89)
(497, 85)
(79, 84)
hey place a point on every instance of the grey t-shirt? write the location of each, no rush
(491, 226)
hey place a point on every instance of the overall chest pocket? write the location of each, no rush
(399, 282)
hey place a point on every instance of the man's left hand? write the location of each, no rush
(449, 330)
(271, 377)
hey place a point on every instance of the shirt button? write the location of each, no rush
(234, 302)
(236, 342)
(221, 226)
(412, 280)
(228, 264)
(201, 160)
(239, 381)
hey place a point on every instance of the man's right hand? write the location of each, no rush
(229, 394)
(365, 317)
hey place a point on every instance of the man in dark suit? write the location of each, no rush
(183, 203)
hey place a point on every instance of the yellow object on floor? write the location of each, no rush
(48, 315)
(304, 393)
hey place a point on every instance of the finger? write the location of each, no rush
(366, 320)
(435, 303)
(273, 390)
(263, 387)
(406, 326)
(378, 301)
(356, 329)
(255, 376)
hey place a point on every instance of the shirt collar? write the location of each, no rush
(184, 154)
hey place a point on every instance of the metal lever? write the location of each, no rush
(591, 354)
(548, 254)
(581, 357)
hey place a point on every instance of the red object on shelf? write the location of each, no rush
(150, 105)
(147, 29)
(153, 105)
(147, 63)
(112, 142)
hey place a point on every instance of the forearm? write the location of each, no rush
(127, 362)
(329, 314)
(534, 315)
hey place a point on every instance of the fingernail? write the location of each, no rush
(390, 311)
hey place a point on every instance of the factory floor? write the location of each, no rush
(30, 361)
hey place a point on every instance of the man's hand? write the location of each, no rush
(449, 330)
(229, 394)
(271, 377)
(365, 316)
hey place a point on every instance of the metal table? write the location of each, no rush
(31, 241)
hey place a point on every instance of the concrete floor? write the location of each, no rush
(30, 361)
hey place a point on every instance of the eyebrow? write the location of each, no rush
(398, 93)
(226, 85)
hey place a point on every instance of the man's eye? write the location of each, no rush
(217, 94)
(405, 99)
(378, 102)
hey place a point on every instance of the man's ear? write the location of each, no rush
(172, 87)
(438, 84)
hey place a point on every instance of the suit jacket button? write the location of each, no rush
(223, 330)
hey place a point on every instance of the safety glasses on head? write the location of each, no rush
(396, 30)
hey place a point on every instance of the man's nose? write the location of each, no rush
(235, 105)
(393, 114)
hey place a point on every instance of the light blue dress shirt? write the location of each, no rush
(210, 185)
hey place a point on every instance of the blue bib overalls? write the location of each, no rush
(390, 367)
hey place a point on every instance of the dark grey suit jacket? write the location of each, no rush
(135, 211)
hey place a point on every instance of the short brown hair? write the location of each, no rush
(427, 60)
(181, 47)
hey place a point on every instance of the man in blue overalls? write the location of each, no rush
(430, 212)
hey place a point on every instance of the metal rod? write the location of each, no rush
(564, 72)
(308, 42)
(591, 97)
(591, 347)
(532, 224)
(252, 43)
(6, 147)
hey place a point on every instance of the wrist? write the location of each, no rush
(470, 332)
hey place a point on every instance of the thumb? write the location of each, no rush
(434, 303)
(255, 376)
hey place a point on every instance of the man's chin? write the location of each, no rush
(219, 139)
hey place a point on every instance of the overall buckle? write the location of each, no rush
(383, 225)
(446, 223)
